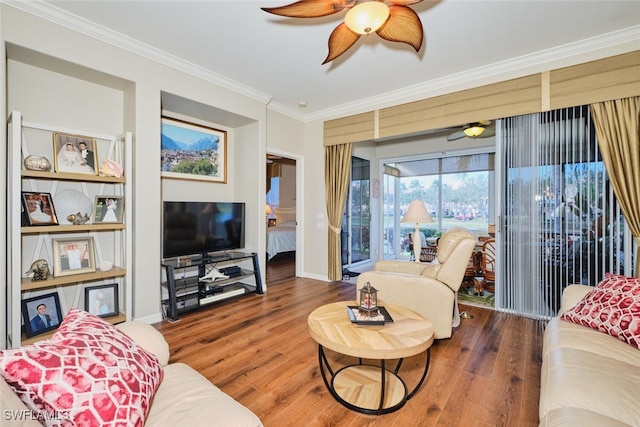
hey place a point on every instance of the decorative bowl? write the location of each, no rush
(37, 163)
(71, 202)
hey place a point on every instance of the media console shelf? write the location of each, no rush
(182, 290)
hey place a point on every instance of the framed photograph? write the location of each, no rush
(108, 209)
(102, 300)
(38, 209)
(41, 314)
(73, 256)
(74, 153)
(195, 152)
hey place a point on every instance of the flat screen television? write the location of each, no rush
(199, 228)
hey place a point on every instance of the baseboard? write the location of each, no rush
(154, 318)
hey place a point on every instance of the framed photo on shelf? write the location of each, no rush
(191, 151)
(38, 209)
(74, 153)
(73, 256)
(41, 314)
(108, 209)
(102, 300)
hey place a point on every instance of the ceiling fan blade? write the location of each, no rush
(488, 132)
(340, 40)
(310, 8)
(403, 26)
(456, 135)
(404, 2)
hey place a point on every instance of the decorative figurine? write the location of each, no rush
(40, 270)
(368, 301)
(78, 218)
(111, 168)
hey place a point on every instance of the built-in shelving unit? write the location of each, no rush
(28, 243)
(183, 290)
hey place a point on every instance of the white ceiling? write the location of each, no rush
(278, 59)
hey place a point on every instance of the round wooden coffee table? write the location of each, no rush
(366, 388)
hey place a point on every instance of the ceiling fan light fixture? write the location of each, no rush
(473, 131)
(367, 17)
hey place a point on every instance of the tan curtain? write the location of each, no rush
(617, 125)
(337, 169)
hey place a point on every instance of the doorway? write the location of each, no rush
(282, 215)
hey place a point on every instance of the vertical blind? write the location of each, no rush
(561, 222)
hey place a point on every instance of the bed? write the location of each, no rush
(282, 237)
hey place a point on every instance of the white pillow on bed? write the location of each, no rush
(287, 223)
(284, 215)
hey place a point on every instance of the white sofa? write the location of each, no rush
(184, 397)
(430, 289)
(588, 378)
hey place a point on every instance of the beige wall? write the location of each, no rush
(55, 84)
(288, 186)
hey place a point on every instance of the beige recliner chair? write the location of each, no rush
(430, 289)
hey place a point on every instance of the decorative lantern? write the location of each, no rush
(368, 301)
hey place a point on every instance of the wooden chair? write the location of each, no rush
(473, 270)
(488, 265)
(427, 251)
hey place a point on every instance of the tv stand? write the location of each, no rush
(217, 257)
(182, 290)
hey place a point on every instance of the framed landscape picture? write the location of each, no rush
(191, 151)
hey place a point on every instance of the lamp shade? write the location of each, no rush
(473, 131)
(268, 210)
(416, 213)
(367, 17)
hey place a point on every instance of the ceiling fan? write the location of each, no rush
(395, 22)
(481, 129)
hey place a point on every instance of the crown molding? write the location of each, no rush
(614, 43)
(96, 31)
(599, 47)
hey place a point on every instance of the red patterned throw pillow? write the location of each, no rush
(612, 307)
(87, 374)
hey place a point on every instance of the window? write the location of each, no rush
(356, 221)
(456, 189)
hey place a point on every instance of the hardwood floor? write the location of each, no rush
(258, 350)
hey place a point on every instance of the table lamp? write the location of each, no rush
(416, 214)
(268, 211)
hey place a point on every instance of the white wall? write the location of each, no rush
(429, 145)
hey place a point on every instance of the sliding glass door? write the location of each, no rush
(356, 221)
(560, 223)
